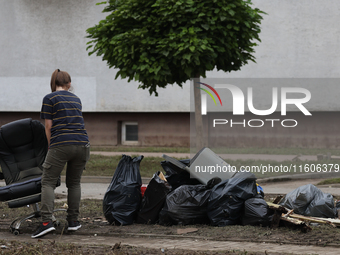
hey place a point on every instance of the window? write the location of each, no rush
(129, 133)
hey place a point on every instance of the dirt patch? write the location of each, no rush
(94, 223)
(51, 247)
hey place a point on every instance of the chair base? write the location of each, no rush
(15, 225)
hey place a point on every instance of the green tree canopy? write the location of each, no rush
(161, 42)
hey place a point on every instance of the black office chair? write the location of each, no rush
(23, 147)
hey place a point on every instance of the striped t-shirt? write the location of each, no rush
(65, 110)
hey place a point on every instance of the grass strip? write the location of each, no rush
(224, 150)
(141, 149)
(99, 165)
(329, 181)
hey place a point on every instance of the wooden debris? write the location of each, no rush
(161, 175)
(276, 220)
(288, 213)
(294, 221)
(278, 211)
(303, 225)
(284, 214)
(277, 207)
(277, 199)
(335, 222)
(312, 219)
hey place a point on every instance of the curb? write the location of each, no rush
(281, 178)
(102, 179)
(291, 177)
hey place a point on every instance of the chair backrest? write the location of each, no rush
(23, 147)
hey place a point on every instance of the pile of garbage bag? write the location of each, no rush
(177, 199)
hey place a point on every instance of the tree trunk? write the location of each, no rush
(198, 114)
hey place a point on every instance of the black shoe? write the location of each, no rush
(43, 229)
(73, 225)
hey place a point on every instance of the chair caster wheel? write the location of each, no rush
(16, 232)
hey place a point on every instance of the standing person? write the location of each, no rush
(68, 144)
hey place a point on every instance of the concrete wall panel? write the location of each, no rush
(299, 39)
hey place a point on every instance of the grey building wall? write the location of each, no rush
(299, 39)
(39, 36)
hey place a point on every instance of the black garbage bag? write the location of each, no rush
(310, 201)
(186, 205)
(322, 206)
(337, 208)
(153, 200)
(227, 199)
(337, 204)
(123, 197)
(299, 199)
(257, 212)
(170, 168)
(176, 176)
(213, 182)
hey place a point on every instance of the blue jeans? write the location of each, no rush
(76, 157)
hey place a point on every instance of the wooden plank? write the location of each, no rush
(311, 219)
(277, 199)
(161, 175)
(301, 224)
(334, 221)
(277, 207)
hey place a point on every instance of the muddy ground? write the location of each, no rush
(94, 223)
(47, 247)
